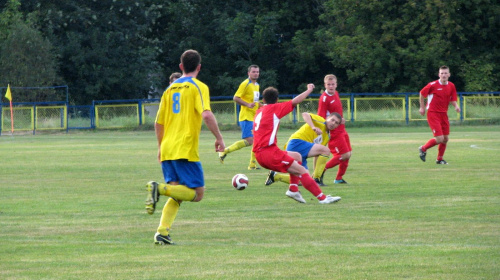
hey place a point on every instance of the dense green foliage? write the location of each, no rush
(111, 49)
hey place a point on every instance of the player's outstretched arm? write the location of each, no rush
(299, 98)
(211, 122)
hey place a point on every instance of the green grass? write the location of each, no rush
(71, 207)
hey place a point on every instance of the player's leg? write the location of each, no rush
(185, 183)
(320, 153)
(246, 140)
(309, 184)
(435, 126)
(445, 125)
(340, 152)
(293, 189)
(346, 150)
(168, 215)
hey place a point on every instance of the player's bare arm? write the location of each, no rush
(299, 98)
(455, 104)
(422, 105)
(242, 102)
(307, 118)
(159, 130)
(211, 122)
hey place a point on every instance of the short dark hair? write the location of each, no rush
(190, 59)
(174, 76)
(252, 66)
(270, 95)
(444, 67)
(334, 114)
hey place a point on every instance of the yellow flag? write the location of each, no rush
(8, 95)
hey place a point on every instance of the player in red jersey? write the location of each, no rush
(439, 95)
(339, 144)
(267, 153)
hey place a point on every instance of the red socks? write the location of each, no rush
(333, 162)
(431, 143)
(311, 186)
(441, 149)
(294, 183)
(342, 168)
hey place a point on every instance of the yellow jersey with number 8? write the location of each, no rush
(180, 111)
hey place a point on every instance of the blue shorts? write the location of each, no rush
(300, 146)
(187, 173)
(246, 129)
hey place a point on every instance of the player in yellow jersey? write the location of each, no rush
(310, 140)
(247, 96)
(186, 98)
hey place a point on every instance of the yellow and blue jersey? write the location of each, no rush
(249, 92)
(180, 111)
(306, 133)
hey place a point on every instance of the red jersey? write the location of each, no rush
(266, 124)
(329, 103)
(439, 96)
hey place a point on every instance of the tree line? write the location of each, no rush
(110, 49)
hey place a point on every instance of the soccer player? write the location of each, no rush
(439, 95)
(310, 141)
(247, 96)
(267, 153)
(174, 76)
(186, 98)
(339, 144)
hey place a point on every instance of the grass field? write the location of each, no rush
(72, 207)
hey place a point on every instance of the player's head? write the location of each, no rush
(330, 83)
(174, 76)
(333, 121)
(270, 95)
(444, 73)
(253, 72)
(190, 61)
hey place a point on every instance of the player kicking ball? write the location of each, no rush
(310, 140)
(267, 153)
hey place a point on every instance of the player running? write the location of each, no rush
(247, 96)
(186, 98)
(439, 95)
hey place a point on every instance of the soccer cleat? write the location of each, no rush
(319, 182)
(330, 199)
(163, 240)
(270, 178)
(253, 167)
(341, 181)
(296, 196)
(153, 197)
(222, 156)
(441, 161)
(422, 154)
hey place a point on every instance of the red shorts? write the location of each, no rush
(273, 158)
(339, 144)
(439, 123)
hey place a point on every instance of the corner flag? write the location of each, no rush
(8, 95)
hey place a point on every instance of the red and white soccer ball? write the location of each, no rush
(240, 182)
